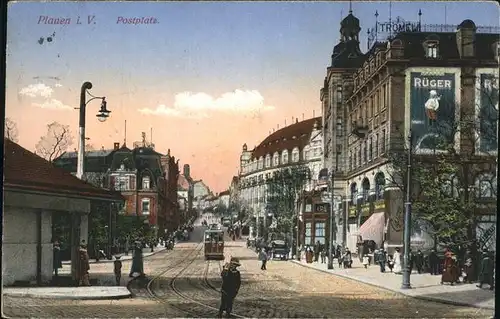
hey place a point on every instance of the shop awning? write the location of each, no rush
(373, 228)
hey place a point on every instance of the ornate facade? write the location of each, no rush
(382, 95)
(300, 143)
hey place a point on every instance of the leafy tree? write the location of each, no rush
(446, 198)
(55, 142)
(11, 131)
(282, 191)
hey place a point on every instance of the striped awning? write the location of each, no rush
(373, 228)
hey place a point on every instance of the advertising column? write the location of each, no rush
(432, 100)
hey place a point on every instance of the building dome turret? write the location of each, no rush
(349, 28)
(245, 147)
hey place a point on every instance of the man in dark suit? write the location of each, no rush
(231, 282)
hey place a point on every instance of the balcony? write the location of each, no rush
(359, 129)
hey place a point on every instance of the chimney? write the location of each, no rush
(186, 171)
(466, 36)
(116, 146)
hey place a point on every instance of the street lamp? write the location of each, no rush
(332, 221)
(101, 116)
(407, 221)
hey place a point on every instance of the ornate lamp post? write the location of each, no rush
(101, 116)
(407, 221)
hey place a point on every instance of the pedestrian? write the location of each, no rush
(382, 259)
(397, 262)
(448, 269)
(434, 262)
(366, 261)
(390, 262)
(317, 249)
(419, 261)
(118, 270)
(84, 266)
(486, 271)
(137, 261)
(323, 255)
(57, 263)
(231, 282)
(347, 258)
(263, 259)
(468, 267)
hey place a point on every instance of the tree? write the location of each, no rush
(450, 186)
(282, 191)
(55, 142)
(11, 131)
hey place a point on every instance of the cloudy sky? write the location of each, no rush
(207, 77)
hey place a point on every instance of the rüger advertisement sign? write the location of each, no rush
(487, 111)
(432, 110)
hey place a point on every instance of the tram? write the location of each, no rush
(214, 244)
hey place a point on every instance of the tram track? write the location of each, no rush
(185, 304)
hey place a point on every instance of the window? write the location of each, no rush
(307, 154)
(383, 142)
(350, 160)
(307, 239)
(284, 156)
(295, 155)
(146, 205)
(376, 145)
(319, 232)
(261, 163)
(370, 149)
(384, 92)
(276, 159)
(268, 160)
(146, 183)
(122, 183)
(431, 50)
(365, 152)
(359, 156)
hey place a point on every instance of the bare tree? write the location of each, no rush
(11, 131)
(55, 142)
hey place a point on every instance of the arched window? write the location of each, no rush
(354, 193)
(486, 186)
(146, 182)
(276, 159)
(268, 160)
(284, 157)
(295, 155)
(366, 189)
(261, 162)
(379, 185)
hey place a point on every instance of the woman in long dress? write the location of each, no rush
(397, 262)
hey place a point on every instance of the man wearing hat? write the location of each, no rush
(231, 282)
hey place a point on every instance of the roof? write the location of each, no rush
(182, 182)
(24, 170)
(99, 153)
(224, 193)
(448, 48)
(95, 161)
(289, 137)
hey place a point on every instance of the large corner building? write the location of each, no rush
(371, 101)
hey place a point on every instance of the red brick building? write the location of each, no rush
(148, 181)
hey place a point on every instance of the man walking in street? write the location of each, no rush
(231, 282)
(486, 274)
(434, 263)
(263, 258)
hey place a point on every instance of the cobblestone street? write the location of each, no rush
(284, 290)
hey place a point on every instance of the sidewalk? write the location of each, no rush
(145, 252)
(424, 286)
(101, 271)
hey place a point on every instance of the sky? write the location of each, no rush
(207, 77)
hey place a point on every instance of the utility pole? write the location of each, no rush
(332, 221)
(407, 221)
